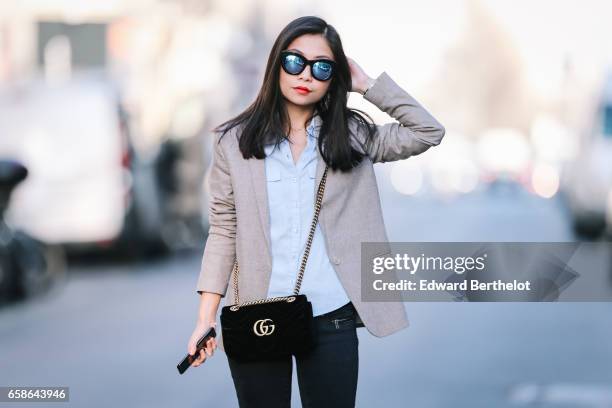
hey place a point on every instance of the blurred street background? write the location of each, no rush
(105, 145)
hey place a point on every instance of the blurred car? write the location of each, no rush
(587, 180)
(28, 267)
(87, 187)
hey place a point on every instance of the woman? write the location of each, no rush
(266, 164)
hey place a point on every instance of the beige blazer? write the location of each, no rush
(350, 212)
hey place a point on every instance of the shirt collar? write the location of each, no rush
(312, 130)
(315, 126)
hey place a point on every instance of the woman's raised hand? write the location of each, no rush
(360, 81)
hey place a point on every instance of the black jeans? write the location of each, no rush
(327, 375)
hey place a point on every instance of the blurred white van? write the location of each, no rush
(73, 138)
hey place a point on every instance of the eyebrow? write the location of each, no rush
(300, 52)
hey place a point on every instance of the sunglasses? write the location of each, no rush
(294, 63)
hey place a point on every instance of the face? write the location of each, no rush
(311, 46)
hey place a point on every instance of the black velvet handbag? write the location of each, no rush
(266, 329)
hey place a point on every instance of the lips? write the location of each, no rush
(302, 89)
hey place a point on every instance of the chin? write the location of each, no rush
(304, 101)
(301, 102)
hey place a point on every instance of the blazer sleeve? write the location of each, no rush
(220, 247)
(415, 131)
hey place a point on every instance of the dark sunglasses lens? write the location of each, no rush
(293, 64)
(322, 71)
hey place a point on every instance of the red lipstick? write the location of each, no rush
(302, 90)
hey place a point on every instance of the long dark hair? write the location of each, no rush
(266, 118)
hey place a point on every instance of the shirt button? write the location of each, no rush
(293, 179)
(335, 260)
(295, 229)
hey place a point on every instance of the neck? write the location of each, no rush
(298, 115)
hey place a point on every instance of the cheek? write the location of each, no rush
(283, 84)
(282, 80)
(322, 91)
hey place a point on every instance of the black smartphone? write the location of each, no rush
(186, 363)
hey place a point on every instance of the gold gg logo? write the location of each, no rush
(260, 327)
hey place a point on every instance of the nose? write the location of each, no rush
(305, 76)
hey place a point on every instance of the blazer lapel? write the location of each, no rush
(258, 179)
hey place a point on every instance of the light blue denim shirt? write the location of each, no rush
(291, 189)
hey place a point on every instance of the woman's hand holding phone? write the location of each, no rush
(210, 347)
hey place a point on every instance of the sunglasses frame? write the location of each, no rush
(307, 62)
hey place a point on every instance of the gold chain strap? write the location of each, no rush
(298, 283)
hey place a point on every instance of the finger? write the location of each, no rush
(194, 356)
(201, 357)
(195, 361)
